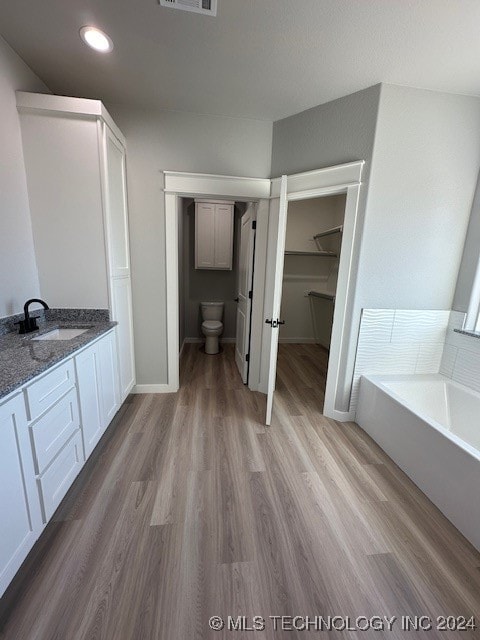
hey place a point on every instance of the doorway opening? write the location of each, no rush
(313, 242)
(216, 255)
(272, 197)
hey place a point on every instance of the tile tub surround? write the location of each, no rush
(461, 356)
(400, 341)
(22, 359)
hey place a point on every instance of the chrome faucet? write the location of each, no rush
(29, 323)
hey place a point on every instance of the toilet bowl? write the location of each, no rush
(212, 325)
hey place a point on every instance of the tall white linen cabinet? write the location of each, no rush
(76, 177)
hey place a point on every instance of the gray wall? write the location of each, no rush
(158, 141)
(337, 132)
(18, 270)
(333, 133)
(208, 285)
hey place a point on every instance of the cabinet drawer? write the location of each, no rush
(58, 478)
(53, 429)
(43, 393)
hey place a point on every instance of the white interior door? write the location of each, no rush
(245, 290)
(276, 251)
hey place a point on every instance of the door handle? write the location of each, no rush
(275, 323)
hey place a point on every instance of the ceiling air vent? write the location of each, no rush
(197, 6)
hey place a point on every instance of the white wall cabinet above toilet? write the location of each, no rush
(214, 234)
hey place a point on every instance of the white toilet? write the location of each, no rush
(212, 325)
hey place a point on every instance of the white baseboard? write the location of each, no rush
(154, 388)
(297, 340)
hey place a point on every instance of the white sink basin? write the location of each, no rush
(61, 334)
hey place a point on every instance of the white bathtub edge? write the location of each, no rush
(434, 460)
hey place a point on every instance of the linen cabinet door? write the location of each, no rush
(107, 360)
(116, 206)
(88, 378)
(122, 313)
(21, 520)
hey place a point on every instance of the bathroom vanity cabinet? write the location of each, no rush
(75, 160)
(48, 428)
(214, 234)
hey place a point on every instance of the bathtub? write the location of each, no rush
(430, 426)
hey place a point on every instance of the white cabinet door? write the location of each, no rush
(109, 378)
(50, 433)
(97, 375)
(116, 206)
(204, 235)
(59, 476)
(20, 522)
(223, 236)
(88, 379)
(122, 313)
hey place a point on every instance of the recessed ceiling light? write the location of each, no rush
(96, 39)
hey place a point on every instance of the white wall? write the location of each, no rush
(18, 271)
(63, 174)
(425, 167)
(424, 154)
(158, 141)
(424, 172)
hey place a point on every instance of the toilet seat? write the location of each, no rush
(212, 325)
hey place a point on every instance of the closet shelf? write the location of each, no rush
(321, 294)
(322, 254)
(329, 232)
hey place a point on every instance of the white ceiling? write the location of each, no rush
(263, 59)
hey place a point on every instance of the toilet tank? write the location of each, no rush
(212, 310)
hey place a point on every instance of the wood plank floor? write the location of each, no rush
(192, 509)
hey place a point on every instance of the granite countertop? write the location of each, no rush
(22, 359)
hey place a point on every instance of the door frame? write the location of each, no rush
(342, 179)
(199, 185)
